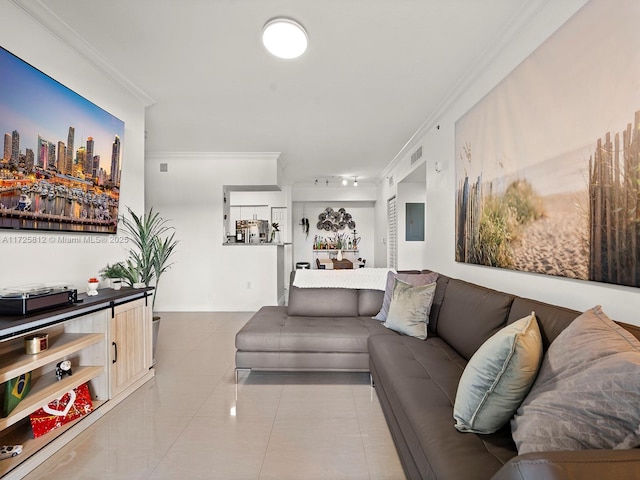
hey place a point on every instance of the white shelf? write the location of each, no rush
(318, 250)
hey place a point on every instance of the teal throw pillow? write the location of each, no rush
(498, 377)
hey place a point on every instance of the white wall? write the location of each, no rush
(311, 200)
(362, 213)
(411, 255)
(54, 262)
(621, 303)
(207, 276)
(408, 186)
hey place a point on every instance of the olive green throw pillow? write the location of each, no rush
(498, 377)
(411, 278)
(409, 308)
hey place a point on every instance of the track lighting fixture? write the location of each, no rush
(334, 179)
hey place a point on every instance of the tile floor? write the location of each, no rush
(192, 422)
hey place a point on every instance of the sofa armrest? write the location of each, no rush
(583, 464)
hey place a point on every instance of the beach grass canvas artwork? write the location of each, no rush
(62, 158)
(548, 162)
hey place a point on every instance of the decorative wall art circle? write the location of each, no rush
(331, 220)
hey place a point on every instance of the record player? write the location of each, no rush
(32, 298)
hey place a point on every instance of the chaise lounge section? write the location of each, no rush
(417, 380)
(322, 329)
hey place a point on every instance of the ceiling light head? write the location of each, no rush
(355, 181)
(326, 182)
(316, 182)
(284, 38)
(344, 182)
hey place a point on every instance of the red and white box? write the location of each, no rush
(74, 404)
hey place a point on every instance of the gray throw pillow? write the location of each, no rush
(587, 393)
(410, 278)
(409, 308)
(498, 377)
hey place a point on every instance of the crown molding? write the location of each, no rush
(215, 155)
(68, 36)
(502, 39)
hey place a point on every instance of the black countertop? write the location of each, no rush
(14, 325)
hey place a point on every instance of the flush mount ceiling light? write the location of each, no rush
(284, 38)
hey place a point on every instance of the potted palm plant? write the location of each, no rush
(152, 244)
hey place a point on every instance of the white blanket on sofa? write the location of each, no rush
(365, 278)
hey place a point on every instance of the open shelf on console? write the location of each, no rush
(21, 434)
(47, 388)
(18, 362)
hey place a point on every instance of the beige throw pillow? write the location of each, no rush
(409, 308)
(411, 278)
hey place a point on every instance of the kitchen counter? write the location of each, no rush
(258, 277)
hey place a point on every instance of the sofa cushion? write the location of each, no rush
(412, 278)
(498, 377)
(438, 299)
(323, 302)
(587, 393)
(272, 330)
(416, 382)
(470, 314)
(551, 319)
(369, 302)
(409, 308)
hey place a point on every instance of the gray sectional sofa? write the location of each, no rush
(416, 380)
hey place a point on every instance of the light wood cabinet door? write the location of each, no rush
(130, 341)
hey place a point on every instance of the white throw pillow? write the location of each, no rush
(498, 377)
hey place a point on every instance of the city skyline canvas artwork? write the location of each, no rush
(62, 155)
(548, 162)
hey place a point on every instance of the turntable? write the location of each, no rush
(32, 298)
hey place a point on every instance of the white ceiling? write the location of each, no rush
(375, 71)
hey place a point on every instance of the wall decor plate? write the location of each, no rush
(331, 220)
